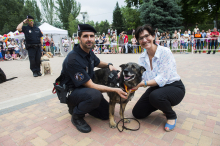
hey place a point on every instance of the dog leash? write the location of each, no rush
(123, 126)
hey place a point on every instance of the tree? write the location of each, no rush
(130, 18)
(73, 25)
(117, 19)
(162, 14)
(135, 3)
(65, 8)
(103, 27)
(97, 28)
(48, 11)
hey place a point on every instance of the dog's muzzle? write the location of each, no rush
(128, 76)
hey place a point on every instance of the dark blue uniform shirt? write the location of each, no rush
(78, 67)
(32, 34)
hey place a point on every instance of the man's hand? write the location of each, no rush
(121, 93)
(42, 47)
(112, 68)
(25, 21)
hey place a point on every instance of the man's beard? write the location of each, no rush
(86, 46)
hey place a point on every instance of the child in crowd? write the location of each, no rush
(96, 50)
(15, 56)
(181, 43)
(1, 57)
(17, 50)
(106, 51)
(8, 56)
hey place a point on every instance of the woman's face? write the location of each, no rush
(146, 40)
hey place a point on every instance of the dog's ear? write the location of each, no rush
(122, 66)
(142, 69)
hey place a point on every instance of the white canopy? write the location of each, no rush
(11, 34)
(51, 30)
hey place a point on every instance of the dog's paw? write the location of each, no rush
(112, 125)
(126, 121)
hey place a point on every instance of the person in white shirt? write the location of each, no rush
(195, 29)
(165, 86)
(189, 32)
(186, 38)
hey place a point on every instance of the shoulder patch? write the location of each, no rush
(79, 76)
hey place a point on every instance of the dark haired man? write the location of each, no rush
(78, 73)
(34, 43)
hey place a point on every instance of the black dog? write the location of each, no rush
(130, 76)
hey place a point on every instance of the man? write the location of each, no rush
(157, 33)
(2, 47)
(198, 44)
(33, 42)
(214, 35)
(196, 29)
(47, 43)
(126, 42)
(178, 33)
(203, 35)
(78, 73)
(186, 38)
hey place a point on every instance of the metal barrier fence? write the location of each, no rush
(196, 44)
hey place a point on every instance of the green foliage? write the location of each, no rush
(117, 19)
(133, 3)
(103, 27)
(65, 8)
(73, 25)
(161, 14)
(131, 18)
(14, 12)
(48, 10)
(92, 23)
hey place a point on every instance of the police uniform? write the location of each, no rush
(78, 68)
(33, 45)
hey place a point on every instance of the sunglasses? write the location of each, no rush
(31, 20)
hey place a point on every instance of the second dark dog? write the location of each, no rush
(130, 76)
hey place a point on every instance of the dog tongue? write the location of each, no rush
(126, 77)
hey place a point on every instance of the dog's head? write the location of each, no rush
(131, 74)
(47, 67)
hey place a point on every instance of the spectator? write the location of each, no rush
(66, 42)
(105, 50)
(1, 57)
(15, 56)
(202, 40)
(47, 43)
(198, 44)
(157, 41)
(17, 50)
(76, 41)
(196, 29)
(189, 32)
(126, 42)
(114, 43)
(134, 45)
(121, 43)
(209, 39)
(181, 43)
(8, 56)
(186, 38)
(52, 46)
(111, 32)
(2, 46)
(133, 32)
(108, 31)
(116, 32)
(100, 43)
(214, 35)
(168, 39)
(192, 40)
(96, 50)
(157, 34)
(106, 41)
(175, 42)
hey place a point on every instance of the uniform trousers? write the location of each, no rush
(161, 98)
(34, 57)
(89, 100)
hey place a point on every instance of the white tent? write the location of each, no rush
(11, 34)
(51, 30)
(20, 36)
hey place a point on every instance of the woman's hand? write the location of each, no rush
(121, 93)
(139, 85)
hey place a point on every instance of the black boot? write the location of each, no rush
(39, 74)
(195, 51)
(214, 52)
(71, 107)
(35, 74)
(80, 123)
(209, 52)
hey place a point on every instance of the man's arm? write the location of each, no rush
(101, 88)
(105, 65)
(19, 27)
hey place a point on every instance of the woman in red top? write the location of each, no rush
(214, 35)
(47, 43)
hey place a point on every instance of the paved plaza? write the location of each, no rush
(30, 115)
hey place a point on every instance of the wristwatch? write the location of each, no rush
(110, 64)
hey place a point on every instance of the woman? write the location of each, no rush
(175, 41)
(134, 41)
(166, 88)
(121, 43)
(209, 38)
(192, 40)
(114, 43)
(51, 46)
(107, 42)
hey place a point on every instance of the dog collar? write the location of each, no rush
(126, 89)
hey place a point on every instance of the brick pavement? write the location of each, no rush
(48, 122)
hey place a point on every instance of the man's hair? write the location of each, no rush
(140, 29)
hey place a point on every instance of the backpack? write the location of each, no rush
(2, 76)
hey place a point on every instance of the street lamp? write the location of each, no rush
(84, 15)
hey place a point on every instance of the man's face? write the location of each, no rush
(214, 29)
(185, 32)
(197, 32)
(202, 31)
(87, 40)
(30, 22)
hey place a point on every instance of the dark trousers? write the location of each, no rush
(89, 100)
(3, 53)
(216, 44)
(34, 57)
(161, 98)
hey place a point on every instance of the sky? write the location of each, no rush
(97, 10)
